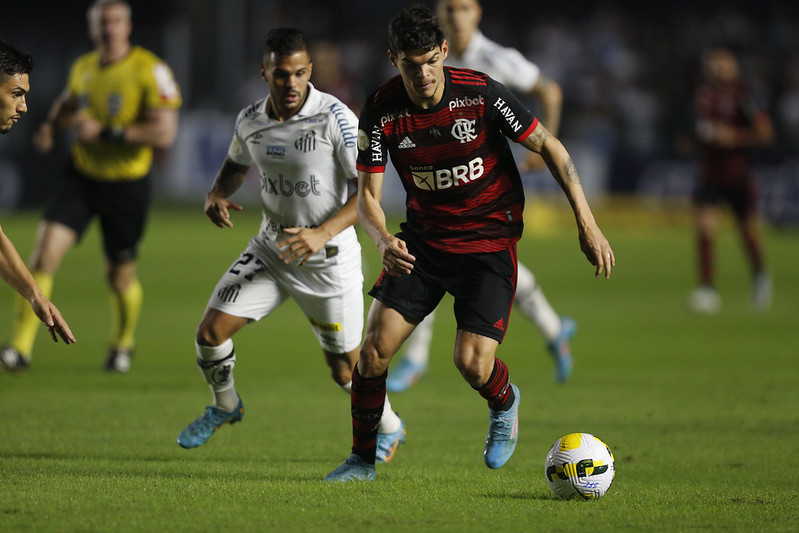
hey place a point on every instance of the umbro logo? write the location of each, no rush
(406, 143)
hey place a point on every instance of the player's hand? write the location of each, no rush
(51, 317)
(87, 129)
(218, 209)
(43, 138)
(304, 243)
(597, 249)
(396, 259)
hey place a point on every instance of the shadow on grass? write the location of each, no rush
(198, 467)
(526, 496)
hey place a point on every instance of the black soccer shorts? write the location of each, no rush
(482, 284)
(121, 206)
(741, 196)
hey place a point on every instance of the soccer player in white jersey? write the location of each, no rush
(304, 143)
(469, 48)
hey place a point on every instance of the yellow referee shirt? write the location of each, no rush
(117, 95)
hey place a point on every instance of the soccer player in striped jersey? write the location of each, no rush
(15, 67)
(728, 126)
(469, 48)
(304, 144)
(446, 132)
(120, 104)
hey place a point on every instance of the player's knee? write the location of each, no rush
(372, 360)
(208, 335)
(341, 365)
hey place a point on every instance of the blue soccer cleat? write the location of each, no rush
(387, 444)
(353, 469)
(503, 432)
(405, 375)
(561, 351)
(199, 431)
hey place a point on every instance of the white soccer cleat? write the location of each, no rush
(705, 300)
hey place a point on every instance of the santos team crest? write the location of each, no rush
(306, 143)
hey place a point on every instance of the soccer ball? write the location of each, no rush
(579, 465)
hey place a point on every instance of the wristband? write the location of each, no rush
(113, 134)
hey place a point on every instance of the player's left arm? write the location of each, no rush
(550, 96)
(305, 242)
(158, 128)
(592, 242)
(760, 132)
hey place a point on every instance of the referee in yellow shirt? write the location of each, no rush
(120, 103)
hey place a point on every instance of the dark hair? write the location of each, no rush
(12, 61)
(285, 41)
(415, 28)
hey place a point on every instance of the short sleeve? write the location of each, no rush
(163, 91)
(517, 72)
(344, 126)
(238, 151)
(372, 150)
(506, 112)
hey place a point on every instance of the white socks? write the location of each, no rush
(530, 300)
(417, 347)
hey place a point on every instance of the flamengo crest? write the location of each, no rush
(463, 130)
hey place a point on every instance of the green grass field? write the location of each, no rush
(702, 413)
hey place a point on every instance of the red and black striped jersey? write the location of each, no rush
(729, 107)
(463, 190)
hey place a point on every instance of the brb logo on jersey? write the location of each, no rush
(437, 180)
(463, 130)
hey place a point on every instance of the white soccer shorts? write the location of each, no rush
(328, 289)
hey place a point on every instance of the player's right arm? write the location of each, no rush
(228, 180)
(393, 251)
(16, 274)
(62, 114)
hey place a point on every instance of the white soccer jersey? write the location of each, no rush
(506, 65)
(305, 162)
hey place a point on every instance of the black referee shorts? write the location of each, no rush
(121, 206)
(483, 285)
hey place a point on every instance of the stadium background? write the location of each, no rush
(702, 413)
(626, 68)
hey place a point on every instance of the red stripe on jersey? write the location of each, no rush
(467, 76)
(527, 132)
(370, 169)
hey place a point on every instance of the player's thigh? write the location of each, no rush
(248, 288)
(483, 289)
(217, 327)
(332, 300)
(123, 208)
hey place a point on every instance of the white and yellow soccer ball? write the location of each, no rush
(579, 465)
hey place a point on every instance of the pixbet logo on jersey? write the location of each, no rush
(466, 102)
(437, 180)
(286, 187)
